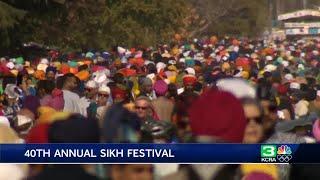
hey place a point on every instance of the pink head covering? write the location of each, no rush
(316, 130)
(57, 101)
(160, 87)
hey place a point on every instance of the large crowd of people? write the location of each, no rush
(210, 90)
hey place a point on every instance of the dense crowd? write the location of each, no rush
(205, 91)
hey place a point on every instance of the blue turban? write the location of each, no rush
(52, 69)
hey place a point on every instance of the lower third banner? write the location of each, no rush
(159, 153)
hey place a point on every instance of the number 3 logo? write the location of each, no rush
(268, 151)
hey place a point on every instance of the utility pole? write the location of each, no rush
(270, 7)
(304, 3)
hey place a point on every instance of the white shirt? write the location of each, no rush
(84, 104)
(71, 102)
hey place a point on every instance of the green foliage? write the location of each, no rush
(236, 17)
(249, 20)
(75, 25)
(100, 24)
(9, 17)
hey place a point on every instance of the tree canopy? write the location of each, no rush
(100, 24)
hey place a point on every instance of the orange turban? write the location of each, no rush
(74, 70)
(87, 62)
(117, 62)
(65, 69)
(213, 39)
(235, 42)
(83, 75)
(137, 61)
(244, 63)
(127, 72)
(177, 37)
(40, 75)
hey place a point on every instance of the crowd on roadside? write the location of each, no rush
(211, 90)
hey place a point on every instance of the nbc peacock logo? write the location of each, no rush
(284, 154)
(275, 153)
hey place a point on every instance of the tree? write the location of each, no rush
(233, 17)
(82, 24)
(9, 17)
(100, 24)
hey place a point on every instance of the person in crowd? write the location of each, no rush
(11, 102)
(162, 105)
(167, 94)
(44, 91)
(231, 118)
(88, 104)
(68, 131)
(26, 117)
(11, 171)
(143, 108)
(254, 132)
(91, 90)
(71, 99)
(315, 104)
(103, 96)
(22, 86)
(134, 171)
(172, 92)
(51, 73)
(146, 88)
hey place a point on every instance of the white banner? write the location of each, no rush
(302, 31)
(299, 25)
(298, 14)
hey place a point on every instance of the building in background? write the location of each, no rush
(305, 22)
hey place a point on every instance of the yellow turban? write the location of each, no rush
(135, 88)
(225, 66)
(57, 65)
(30, 70)
(269, 169)
(45, 114)
(129, 107)
(60, 116)
(49, 115)
(45, 110)
(172, 68)
(245, 74)
(172, 79)
(14, 72)
(260, 74)
(175, 51)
